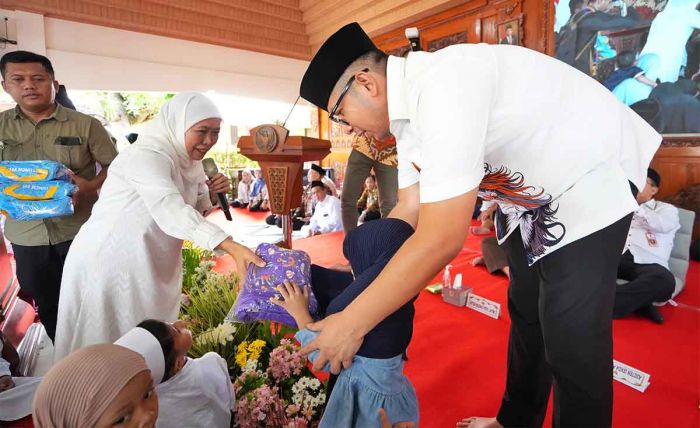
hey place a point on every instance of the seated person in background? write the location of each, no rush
(368, 204)
(488, 210)
(645, 262)
(261, 202)
(317, 173)
(632, 89)
(16, 393)
(596, 16)
(300, 215)
(326, 217)
(375, 379)
(626, 69)
(191, 392)
(97, 386)
(492, 256)
(243, 197)
(256, 197)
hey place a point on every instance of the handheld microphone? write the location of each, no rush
(210, 169)
(413, 36)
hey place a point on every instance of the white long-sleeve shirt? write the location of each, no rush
(653, 229)
(128, 253)
(327, 216)
(519, 139)
(243, 192)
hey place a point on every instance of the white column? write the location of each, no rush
(30, 32)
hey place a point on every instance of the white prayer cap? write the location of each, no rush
(142, 341)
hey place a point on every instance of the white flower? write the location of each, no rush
(314, 383)
(224, 332)
(250, 366)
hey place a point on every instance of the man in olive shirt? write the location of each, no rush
(40, 129)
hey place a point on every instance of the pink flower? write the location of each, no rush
(285, 360)
(261, 407)
(292, 410)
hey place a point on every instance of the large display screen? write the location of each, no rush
(647, 52)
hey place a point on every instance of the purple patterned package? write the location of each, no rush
(281, 264)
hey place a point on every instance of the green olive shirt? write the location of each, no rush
(74, 139)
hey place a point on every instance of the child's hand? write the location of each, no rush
(295, 301)
(384, 419)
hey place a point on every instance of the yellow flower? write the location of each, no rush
(255, 348)
(242, 354)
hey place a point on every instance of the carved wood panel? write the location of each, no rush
(399, 51)
(442, 42)
(277, 187)
(489, 29)
(479, 19)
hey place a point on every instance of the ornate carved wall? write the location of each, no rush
(478, 21)
(324, 17)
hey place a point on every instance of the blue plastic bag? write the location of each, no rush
(38, 190)
(29, 171)
(35, 210)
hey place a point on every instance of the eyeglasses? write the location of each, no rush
(332, 115)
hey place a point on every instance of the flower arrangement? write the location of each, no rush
(285, 394)
(273, 384)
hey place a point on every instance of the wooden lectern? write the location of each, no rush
(282, 158)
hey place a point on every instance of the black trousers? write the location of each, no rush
(276, 220)
(647, 284)
(39, 271)
(561, 331)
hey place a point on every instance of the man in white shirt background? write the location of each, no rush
(645, 261)
(466, 122)
(327, 217)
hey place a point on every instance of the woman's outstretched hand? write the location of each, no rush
(241, 254)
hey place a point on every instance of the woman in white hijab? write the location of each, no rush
(668, 36)
(125, 263)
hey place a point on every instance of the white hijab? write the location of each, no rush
(166, 133)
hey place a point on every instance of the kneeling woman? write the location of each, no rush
(124, 265)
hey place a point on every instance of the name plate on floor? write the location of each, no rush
(630, 376)
(483, 305)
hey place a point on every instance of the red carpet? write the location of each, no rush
(457, 358)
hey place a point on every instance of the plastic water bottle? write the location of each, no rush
(447, 277)
(458, 282)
